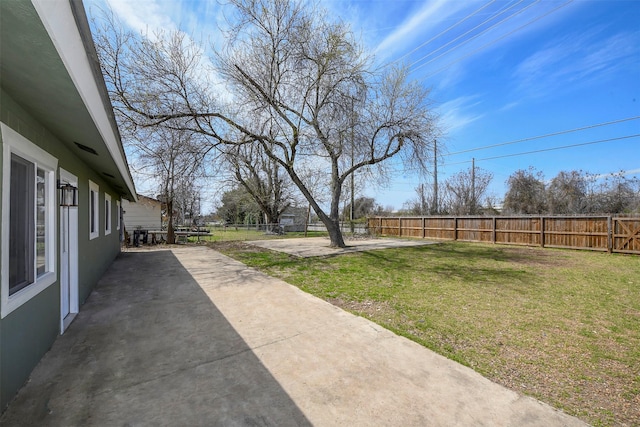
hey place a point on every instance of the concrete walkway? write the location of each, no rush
(306, 247)
(189, 337)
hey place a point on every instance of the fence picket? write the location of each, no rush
(596, 233)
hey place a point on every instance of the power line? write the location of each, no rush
(397, 172)
(444, 31)
(532, 138)
(494, 41)
(475, 36)
(548, 149)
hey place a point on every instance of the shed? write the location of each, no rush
(146, 214)
(293, 219)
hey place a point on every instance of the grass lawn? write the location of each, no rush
(232, 233)
(561, 326)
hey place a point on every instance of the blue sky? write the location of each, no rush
(499, 71)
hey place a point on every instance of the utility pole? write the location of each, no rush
(434, 209)
(473, 186)
(353, 187)
(353, 199)
(307, 219)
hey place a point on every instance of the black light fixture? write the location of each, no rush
(68, 195)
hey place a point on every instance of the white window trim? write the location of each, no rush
(117, 214)
(94, 210)
(13, 142)
(107, 214)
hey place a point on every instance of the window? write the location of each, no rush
(107, 214)
(94, 191)
(22, 227)
(28, 220)
(118, 213)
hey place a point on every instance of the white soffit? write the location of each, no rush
(58, 19)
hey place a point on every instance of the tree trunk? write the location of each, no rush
(330, 222)
(335, 235)
(271, 222)
(306, 220)
(333, 227)
(171, 238)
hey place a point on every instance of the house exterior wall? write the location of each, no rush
(146, 214)
(29, 331)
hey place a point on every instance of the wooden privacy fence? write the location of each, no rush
(597, 233)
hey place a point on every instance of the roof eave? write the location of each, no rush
(78, 53)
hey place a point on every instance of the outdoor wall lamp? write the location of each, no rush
(68, 195)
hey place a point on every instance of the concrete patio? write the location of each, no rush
(305, 247)
(186, 336)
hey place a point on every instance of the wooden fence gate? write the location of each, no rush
(626, 235)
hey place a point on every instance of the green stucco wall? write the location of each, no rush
(28, 332)
(27, 335)
(3, 390)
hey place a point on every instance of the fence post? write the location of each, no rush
(610, 226)
(455, 228)
(493, 234)
(523, 232)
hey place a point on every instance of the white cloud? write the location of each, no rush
(575, 58)
(630, 172)
(145, 16)
(456, 114)
(415, 24)
(483, 36)
(448, 80)
(509, 106)
(151, 17)
(200, 20)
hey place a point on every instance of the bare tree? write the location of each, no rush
(238, 207)
(175, 159)
(566, 193)
(465, 191)
(614, 193)
(362, 207)
(263, 179)
(299, 87)
(422, 204)
(526, 193)
(187, 202)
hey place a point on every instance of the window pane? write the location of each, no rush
(107, 215)
(41, 194)
(92, 214)
(94, 210)
(21, 224)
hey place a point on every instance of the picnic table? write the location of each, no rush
(181, 233)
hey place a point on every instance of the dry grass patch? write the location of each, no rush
(367, 309)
